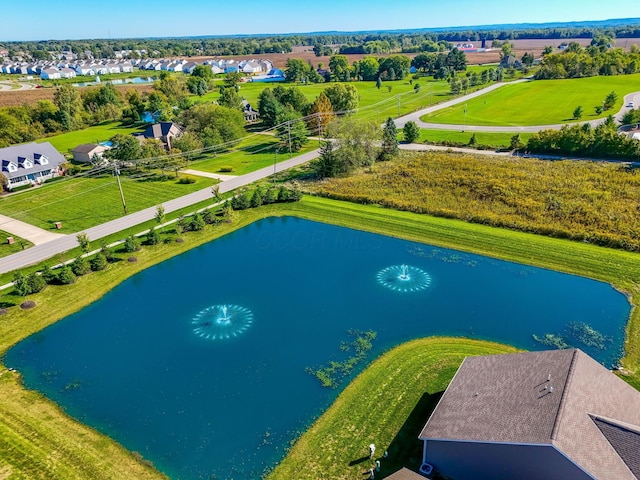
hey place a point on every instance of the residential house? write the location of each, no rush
(67, 73)
(30, 163)
(126, 67)
(552, 414)
(163, 131)
(250, 115)
(189, 67)
(50, 74)
(86, 69)
(89, 152)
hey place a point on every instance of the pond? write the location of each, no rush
(202, 363)
(119, 81)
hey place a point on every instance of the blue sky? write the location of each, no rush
(72, 19)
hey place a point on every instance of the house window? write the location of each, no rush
(18, 179)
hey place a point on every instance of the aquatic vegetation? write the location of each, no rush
(551, 340)
(587, 335)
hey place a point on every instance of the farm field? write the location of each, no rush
(80, 203)
(541, 102)
(491, 139)
(65, 142)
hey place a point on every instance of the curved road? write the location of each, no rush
(415, 116)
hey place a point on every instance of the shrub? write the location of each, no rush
(197, 223)
(240, 201)
(80, 266)
(99, 262)
(152, 237)
(256, 198)
(47, 274)
(186, 180)
(131, 244)
(21, 187)
(66, 276)
(35, 283)
(226, 169)
(270, 197)
(411, 132)
(107, 252)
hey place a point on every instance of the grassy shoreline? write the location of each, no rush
(64, 434)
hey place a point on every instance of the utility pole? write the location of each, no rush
(289, 132)
(124, 205)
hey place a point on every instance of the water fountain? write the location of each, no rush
(404, 278)
(220, 322)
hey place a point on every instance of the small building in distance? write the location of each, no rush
(554, 414)
(30, 163)
(163, 131)
(89, 152)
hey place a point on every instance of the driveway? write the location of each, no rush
(21, 229)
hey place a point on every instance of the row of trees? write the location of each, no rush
(407, 42)
(576, 61)
(602, 141)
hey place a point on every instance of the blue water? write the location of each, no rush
(132, 366)
(119, 81)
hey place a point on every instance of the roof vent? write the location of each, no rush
(549, 378)
(551, 389)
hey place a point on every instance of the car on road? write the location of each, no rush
(631, 105)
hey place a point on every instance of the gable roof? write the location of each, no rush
(162, 129)
(86, 148)
(42, 156)
(542, 398)
(405, 474)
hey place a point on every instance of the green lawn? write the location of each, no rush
(491, 139)
(80, 203)
(385, 101)
(387, 404)
(252, 153)
(19, 244)
(65, 142)
(540, 102)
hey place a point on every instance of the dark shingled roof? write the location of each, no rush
(405, 474)
(624, 440)
(85, 148)
(162, 129)
(509, 399)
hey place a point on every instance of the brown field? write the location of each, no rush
(20, 97)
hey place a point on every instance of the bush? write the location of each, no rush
(47, 274)
(80, 266)
(54, 179)
(66, 276)
(411, 132)
(197, 223)
(131, 244)
(256, 198)
(240, 201)
(152, 237)
(21, 187)
(35, 282)
(226, 169)
(108, 253)
(99, 262)
(186, 180)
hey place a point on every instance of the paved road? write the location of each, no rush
(49, 249)
(415, 116)
(200, 173)
(27, 231)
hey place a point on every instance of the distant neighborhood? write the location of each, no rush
(69, 68)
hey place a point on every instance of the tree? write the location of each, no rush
(69, 104)
(296, 70)
(527, 59)
(416, 87)
(547, 50)
(160, 216)
(378, 83)
(35, 282)
(292, 131)
(355, 143)
(577, 113)
(131, 244)
(66, 276)
(326, 165)
(80, 266)
(47, 274)
(197, 223)
(232, 79)
(343, 98)
(188, 142)
(339, 66)
(423, 62)
(321, 113)
(202, 71)
(152, 237)
(269, 107)
(229, 98)
(395, 67)
(516, 142)
(411, 132)
(367, 68)
(99, 262)
(213, 124)
(256, 198)
(172, 88)
(389, 140)
(610, 101)
(125, 148)
(21, 285)
(83, 242)
(291, 97)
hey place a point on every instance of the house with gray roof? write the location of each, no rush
(31, 163)
(163, 131)
(89, 152)
(553, 415)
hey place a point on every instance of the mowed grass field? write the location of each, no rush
(65, 142)
(491, 139)
(252, 153)
(539, 102)
(7, 249)
(81, 203)
(376, 104)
